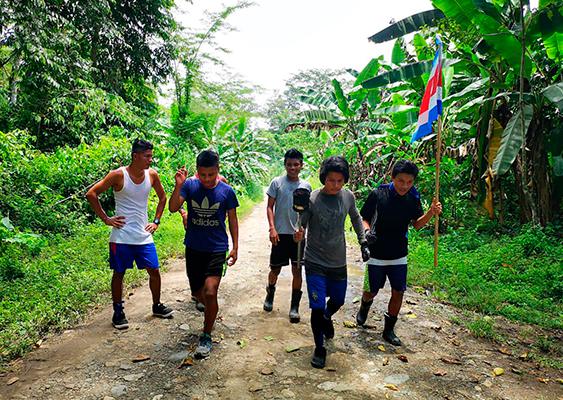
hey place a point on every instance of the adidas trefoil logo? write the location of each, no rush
(204, 210)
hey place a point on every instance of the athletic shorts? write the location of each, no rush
(202, 264)
(320, 287)
(121, 256)
(376, 275)
(285, 250)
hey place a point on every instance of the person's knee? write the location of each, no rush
(118, 275)
(333, 305)
(369, 295)
(275, 271)
(153, 272)
(210, 292)
(397, 293)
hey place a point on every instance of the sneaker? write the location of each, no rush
(119, 321)
(160, 310)
(329, 328)
(198, 306)
(204, 348)
(319, 357)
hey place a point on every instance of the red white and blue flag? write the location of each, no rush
(431, 105)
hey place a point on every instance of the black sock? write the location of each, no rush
(317, 316)
(366, 304)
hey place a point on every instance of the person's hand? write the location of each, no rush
(274, 237)
(436, 207)
(181, 175)
(233, 256)
(366, 255)
(370, 236)
(151, 228)
(298, 235)
(116, 222)
(184, 215)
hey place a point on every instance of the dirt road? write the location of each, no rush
(439, 359)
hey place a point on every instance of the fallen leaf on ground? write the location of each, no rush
(387, 395)
(413, 316)
(385, 361)
(392, 387)
(241, 343)
(141, 357)
(543, 380)
(219, 338)
(356, 300)
(451, 360)
(381, 347)
(559, 380)
(504, 351)
(517, 371)
(38, 343)
(189, 361)
(331, 369)
(440, 372)
(350, 324)
(266, 371)
(254, 389)
(455, 343)
(290, 349)
(403, 358)
(498, 371)
(13, 380)
(219, 376)
(269, 338)
(524, 356)
(270, 353)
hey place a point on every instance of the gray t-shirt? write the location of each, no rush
(326, 244)
(282, 189)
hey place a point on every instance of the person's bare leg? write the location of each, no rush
(117, 286)
(154, 284)
(209, 296)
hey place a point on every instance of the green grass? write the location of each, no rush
(61, 279)
(519, 277)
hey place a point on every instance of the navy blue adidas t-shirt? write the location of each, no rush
(389, 216)
(207, 210)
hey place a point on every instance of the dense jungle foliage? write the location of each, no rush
(79, 80)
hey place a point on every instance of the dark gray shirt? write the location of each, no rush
(326, 244)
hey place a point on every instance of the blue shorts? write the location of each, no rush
(376, 275)
(121, 256)
(320, 287)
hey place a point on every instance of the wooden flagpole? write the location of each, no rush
(437, 194)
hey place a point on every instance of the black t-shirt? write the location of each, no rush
(390, 215)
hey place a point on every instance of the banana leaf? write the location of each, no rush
(368, 72)
(461, 11)
(488, 9)
(376, 126)
(405, 73)
(394, 110)
(555, 94)
(398, 54)
(317, 115)
(342, 100)
(512, 140)
(408, 25)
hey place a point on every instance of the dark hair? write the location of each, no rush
(404, 167)
(334, 164)
(140, 145)
(293, 153)
(207, 158)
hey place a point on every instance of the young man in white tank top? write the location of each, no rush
(131, 234)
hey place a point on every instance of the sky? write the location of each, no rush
(278, 38)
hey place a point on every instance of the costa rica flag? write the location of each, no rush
(431, 105)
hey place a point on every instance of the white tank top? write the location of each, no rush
(131, 202)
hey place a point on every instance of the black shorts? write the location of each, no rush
(201, 264)
(285, 250)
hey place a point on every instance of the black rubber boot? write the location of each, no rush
(362, 315)
(294, 316)
(319, 357)
(328, 328)
(388, 333)
(269, 302)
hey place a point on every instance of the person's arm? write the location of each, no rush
(435, 209)
(274, 237)
(111, 180)
(357, 221)
(159, 189)
(176, 200)
(233, 229)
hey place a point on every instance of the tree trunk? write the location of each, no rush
(539, 172)
(524, 206)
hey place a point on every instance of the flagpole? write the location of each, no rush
(437, 194)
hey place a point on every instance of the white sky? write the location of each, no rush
(278, 38)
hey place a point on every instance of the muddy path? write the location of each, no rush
(439, 358)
